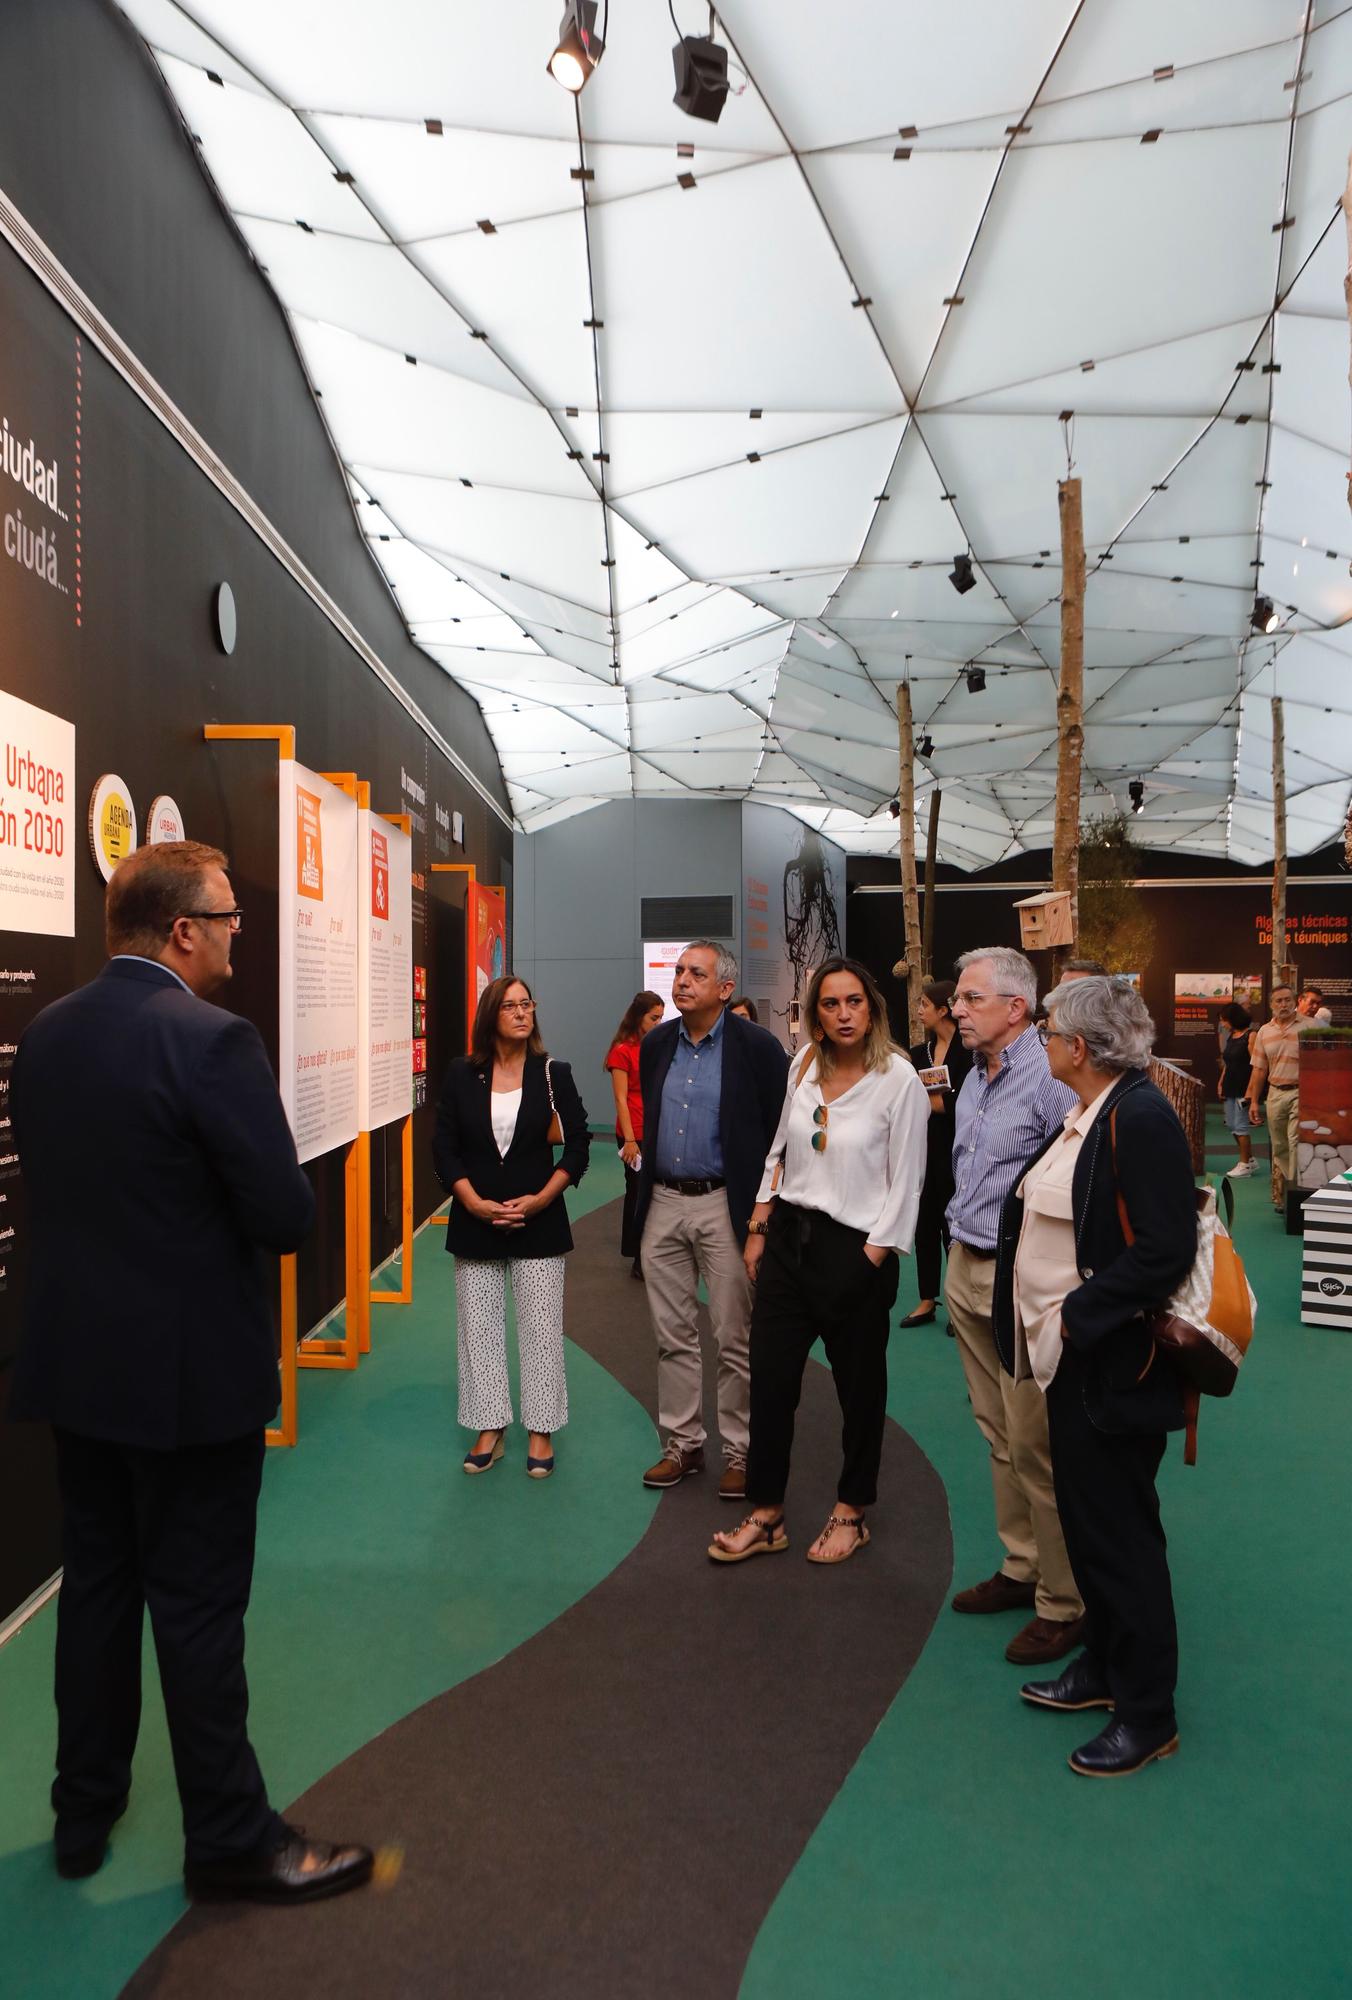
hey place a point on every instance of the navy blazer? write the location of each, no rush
(159, 1167)
(755, 1075)
(1126, 1387)
(464, 1148)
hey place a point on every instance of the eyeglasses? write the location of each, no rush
(517, 1007)
(1044, 1035)
(975, 999)
(821, 1118)
(235, 918)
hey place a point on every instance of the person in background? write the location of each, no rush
(1275, 1053)
(746, 1008)
(941, 1048)
(1009, 1105)
(642, 1014)
(160, 1176)
(1232, 1087)
(494, 1156)
(1083, 968)
(1313, 1013)
(836, 1209)
(1101, 1226)
(713, 1089)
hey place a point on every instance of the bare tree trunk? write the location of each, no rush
(1347, 294)
(1278, 844)
(906, 826)
(931, 855)
(1069, 707)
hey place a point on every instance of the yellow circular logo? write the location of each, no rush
(112, 823)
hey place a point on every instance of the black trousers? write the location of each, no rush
(174, 1531)
(931, 1229)
(1110, 1516)
(816, 1283)
(631, 1236)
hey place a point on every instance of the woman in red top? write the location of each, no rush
(644, 1011)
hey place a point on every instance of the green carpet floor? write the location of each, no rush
(961, 1857)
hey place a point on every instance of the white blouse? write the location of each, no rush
(506, 1106)
(873, 1167)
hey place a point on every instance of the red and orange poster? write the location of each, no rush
(309, 846)
(486, 944)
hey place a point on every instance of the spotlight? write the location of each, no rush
(960, 576)
(925, 747)
(976, 679)
(579, 49)
(1136, 793)
(1263, 617)
(894, 807)
(701, 66)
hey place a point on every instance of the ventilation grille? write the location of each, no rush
(676, 919)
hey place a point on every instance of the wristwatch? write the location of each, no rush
(757, 1228)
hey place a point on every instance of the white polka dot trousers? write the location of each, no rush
(481, 1341)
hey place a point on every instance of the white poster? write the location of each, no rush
(320, 914)
(659, 969)
(385, 1062)
(37, 820)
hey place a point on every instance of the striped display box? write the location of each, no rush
(1326, 1271)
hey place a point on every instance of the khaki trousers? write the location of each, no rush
(687, 1237)
(1012, 1417)
(1283, 1114)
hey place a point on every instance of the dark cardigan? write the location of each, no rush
(464, 1148)
(1126, 1387)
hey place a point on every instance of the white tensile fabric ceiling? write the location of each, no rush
(666, 433)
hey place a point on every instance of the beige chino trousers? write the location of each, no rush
(1012, 1417)
(687, 1237)
(1283, 1117)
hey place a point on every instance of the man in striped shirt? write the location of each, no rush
(1009, 1105)
(1276, 1064)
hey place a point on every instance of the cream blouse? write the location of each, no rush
(1045, 1266)
(873, 1167)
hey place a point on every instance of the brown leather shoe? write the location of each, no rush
(674, 1465)
(997, 1593)
(1044, 1639)
(732, 1486)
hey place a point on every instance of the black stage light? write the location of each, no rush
(926, 748)
(1263, 617)
(1136, 793)
(976, 679)
(701, 66)
(894, 807)
(580, 47)
(960, 576)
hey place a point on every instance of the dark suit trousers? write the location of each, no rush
(931, 1230)
(631, 1236)
(172, 1531)
(1110, 1515)
(816, 1283)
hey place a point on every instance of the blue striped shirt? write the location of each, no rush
(1001, 1122)
(689, 1146)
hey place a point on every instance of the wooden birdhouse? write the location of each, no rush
(1045, 921)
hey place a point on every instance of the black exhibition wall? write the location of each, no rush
(107, 578)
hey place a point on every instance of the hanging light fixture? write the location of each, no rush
(960, 576)
(1263, 617)
(976, 679)
(926, 747)
(1136, 793)
(579, 49)
(701, 66)
(894, 807)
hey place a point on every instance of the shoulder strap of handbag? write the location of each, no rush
(1192, 1400)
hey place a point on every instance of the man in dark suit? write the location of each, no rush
(159, 1167)
(713, 1088)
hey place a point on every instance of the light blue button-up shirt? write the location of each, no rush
(1001, 1121)
(688, 1144)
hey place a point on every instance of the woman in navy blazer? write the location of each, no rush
(493, 1155)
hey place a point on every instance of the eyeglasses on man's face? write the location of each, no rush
(234, 918)
(967, 998)
(517, 1007)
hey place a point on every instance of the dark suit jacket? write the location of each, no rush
(755, 1073)
(1125, 1389)
(159, 1166)
(464, 1149)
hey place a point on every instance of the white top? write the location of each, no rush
(872, 1170)
(506, 1105)
(1045, 1264)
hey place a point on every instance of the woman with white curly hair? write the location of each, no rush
(1101, 1226)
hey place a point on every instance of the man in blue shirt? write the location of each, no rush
(1009, 1105)
(713, 1088)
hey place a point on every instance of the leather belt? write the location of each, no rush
(693, 1187)
(971, 1248)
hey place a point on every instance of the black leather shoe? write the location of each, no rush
(1080, 1686)
(1124, 1747)
(73, 1864)
(288, 1869)
(918, 1318)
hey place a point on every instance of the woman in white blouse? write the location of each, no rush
(837, 1205)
